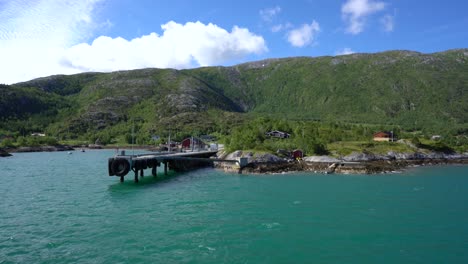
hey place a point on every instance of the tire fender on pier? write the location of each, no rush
(109, 167)
(120, 167)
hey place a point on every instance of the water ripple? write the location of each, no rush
(64, 209)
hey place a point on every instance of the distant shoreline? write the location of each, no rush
(58, 148)
(368, 167)
(271, 164)
(4, 153)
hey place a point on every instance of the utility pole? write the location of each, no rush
(133, 136)
(169, 142)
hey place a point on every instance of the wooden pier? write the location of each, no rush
(120, 165)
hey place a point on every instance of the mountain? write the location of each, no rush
(404, 88)
(401, 87)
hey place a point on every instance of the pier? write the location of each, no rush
(120, 165)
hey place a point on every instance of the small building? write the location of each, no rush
(297, 154)
(37, 134)
(277, 134)
(436, 137)
(192, 143)
(384, 136)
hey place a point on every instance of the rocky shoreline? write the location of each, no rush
(4, 153)
(356, 163)
(42, 149)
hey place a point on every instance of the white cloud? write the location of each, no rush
(34, 34)
(180, 46)
(303, 35)
(345, 51)
(41, 38)
(281, 27)
(388, 23)
(268, 14)
(355, 12)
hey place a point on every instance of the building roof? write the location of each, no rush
(383, 134)
(277, 132)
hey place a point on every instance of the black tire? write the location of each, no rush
(109, 167)
(120, 167)
(144, 164)
(152, 163)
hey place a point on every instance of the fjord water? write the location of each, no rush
(60, 208)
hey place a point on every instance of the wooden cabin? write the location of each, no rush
(384, 136)
(277, 134)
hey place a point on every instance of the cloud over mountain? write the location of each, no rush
(40, 38)
(355, 12)
(34, 34)
(303, 35)
(180, 46)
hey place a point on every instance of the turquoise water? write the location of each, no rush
(60, 208)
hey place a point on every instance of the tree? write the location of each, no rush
(6, 143)
(415, 141)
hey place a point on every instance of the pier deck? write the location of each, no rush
(121, 165)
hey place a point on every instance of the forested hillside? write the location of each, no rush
(402, 89)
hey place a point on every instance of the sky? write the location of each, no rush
(40, 38)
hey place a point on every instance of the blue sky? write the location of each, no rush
(45, 37)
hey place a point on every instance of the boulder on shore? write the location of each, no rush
(358, 156)
(327, 159)
(3, 153)
(254, 157)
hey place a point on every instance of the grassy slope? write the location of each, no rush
(381, 88)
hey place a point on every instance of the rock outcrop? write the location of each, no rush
(321, 159)
(44, 148)
(3, 153)
(355, 163)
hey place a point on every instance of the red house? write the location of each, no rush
(192, 142)
(384, 136)
(297, 154)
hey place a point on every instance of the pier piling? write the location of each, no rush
(136, 176)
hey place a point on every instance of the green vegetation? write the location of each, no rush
(28, 141)
(343, 148)
(328, 104)
(321, 138)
